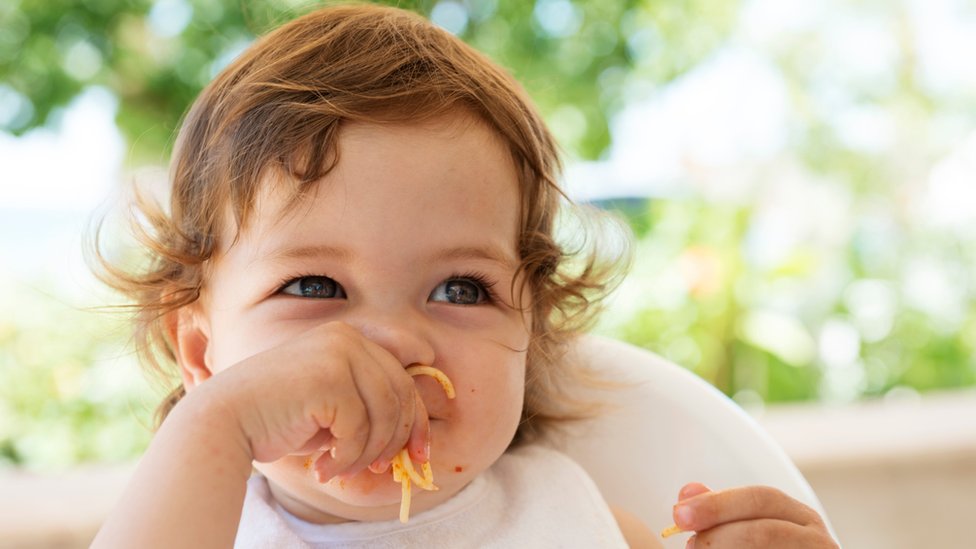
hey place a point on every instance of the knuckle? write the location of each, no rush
(759, 496)
(813, 517)
(358, 442)
(404, 387)
(332, 376)
(770, 492)
(709, 508)
(385, 419)
(760, 534)
(375, 448)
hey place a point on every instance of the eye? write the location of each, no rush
(467, 290)
(319, 287)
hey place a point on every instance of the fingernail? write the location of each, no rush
(426, 456)
(684, 517)
(691, 543)
(332, 452)
(379, 466)
(690, 489)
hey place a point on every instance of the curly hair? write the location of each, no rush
(280, 105)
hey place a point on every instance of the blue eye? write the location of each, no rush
(319, 287)
(469, 290)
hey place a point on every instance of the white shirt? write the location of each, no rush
(531, 497)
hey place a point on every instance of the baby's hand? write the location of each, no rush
(330, 388)
(753, 516)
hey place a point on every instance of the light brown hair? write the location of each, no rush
(280, 106)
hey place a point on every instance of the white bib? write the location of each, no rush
(531, 497)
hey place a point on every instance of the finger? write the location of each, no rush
(419, 444)
(350, 429)
(407, 397)
(406, 391)
(321, 441)
(692, 489)
(383, 409)
(710, 509)
(689, 490)
(762, 533)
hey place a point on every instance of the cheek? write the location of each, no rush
(487, 419)
(489, 400)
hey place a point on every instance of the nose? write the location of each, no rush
(401, 334)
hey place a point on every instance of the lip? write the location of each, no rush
(438, 411)
(440, 416)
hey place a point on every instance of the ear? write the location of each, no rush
(189, 334)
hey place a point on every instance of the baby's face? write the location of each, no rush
(413, 224)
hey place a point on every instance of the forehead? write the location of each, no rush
(442, 179)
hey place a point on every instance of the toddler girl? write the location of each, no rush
(357, 194)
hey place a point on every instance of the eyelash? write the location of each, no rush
(288, 280)
(483, 280)
(486, 283)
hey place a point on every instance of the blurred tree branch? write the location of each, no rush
(580, 59)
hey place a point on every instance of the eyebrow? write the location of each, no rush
(305, 252)
(485, 252)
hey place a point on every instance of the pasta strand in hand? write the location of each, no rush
(670, 531)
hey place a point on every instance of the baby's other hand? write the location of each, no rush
(751, 516)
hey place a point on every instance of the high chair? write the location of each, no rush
(666, 428)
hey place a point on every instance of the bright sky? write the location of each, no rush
(71, 168)
(734, 107)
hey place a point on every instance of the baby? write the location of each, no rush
(360, 193)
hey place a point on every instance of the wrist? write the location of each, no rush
(210, 423)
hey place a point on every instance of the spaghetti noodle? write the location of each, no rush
(670, 531)
(403, 469)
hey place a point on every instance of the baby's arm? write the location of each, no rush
(189, 487)
(749, 517)
(328, 388)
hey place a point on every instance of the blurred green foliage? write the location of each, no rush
(802, 329)
(69, 392)
(841, 264)
(577, 58)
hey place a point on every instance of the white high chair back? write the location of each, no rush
(667, 428)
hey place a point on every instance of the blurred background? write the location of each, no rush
(801, 178)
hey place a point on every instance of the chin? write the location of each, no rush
(295, 487)
(366, 489)
(366, 496)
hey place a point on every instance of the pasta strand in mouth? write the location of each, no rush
(441, 377)
(403, 469)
